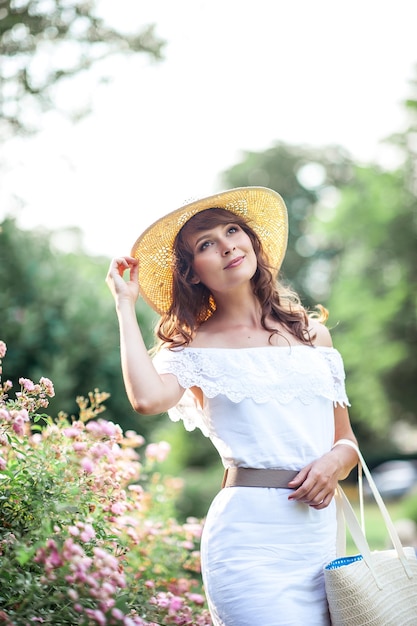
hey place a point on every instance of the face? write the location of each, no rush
(223, 257)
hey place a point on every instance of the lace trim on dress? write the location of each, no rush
(282, 374)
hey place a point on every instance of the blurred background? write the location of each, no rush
(112, 114)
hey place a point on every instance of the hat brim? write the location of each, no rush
(264, 209)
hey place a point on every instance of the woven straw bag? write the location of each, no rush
(372, 588)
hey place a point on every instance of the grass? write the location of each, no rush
(376, 531)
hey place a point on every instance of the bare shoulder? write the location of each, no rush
(320, 334)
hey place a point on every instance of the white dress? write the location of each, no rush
(268, 407)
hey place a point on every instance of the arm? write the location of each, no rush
(149, 392)
(315, 484)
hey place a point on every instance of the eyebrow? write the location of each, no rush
(207, 233)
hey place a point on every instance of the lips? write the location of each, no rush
(235, 262)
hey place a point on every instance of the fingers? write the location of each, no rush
(323, 503)
(314, 490)
(118, 285)
(316, 499)
(121, 264)
(299, 479)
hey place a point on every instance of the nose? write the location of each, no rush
(227, 249)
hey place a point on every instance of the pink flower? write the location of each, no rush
(5, 415)
(118, 508)
(161, 600)
(138, 621)
(3, 463)
(27, 384)
(100, 450)
(73, 594)
(88, 533)
(93, 584)
(79, 446)
(176, 603)
(158, 451)
(18, 426)
(193, 527)
(103, 428)
(48, 386)
(133, 439)
(71, 432)
(54, 559)
(108, 588)
(24, 415)
(87, 465)
(3, 349)
(97, 616)
(197, 598)
(117, 614)
(18, 419)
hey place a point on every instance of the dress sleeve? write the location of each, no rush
(336, 366)
(188, 409)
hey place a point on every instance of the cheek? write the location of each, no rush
(195, 271)
(202, 267)
(202, 262)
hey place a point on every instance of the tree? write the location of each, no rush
(54, 308)
(308, 179)
(352, 247)
(44, 42)
(371, 296)
(374, 297)
(58, 318)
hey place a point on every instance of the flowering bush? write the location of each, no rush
(87, 529)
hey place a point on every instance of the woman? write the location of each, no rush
(239, 357)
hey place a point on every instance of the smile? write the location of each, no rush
(237, 261)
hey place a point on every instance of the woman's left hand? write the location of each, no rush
(316, 483)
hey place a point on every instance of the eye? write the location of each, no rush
(204, 245)
(233, 229)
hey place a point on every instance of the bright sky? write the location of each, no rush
(238, 76)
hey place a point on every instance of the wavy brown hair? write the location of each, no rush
(193, 303)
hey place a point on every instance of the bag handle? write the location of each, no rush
(357, 532)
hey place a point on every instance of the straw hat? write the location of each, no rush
(263, 208)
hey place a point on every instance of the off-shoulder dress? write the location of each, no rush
(265, 407)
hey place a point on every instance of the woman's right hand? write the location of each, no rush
(116, 282)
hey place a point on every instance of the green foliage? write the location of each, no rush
(74, 38)
(303, 176)
(373, 299)
(194, 459)
(409, 507)
(87, 530)
(372, 295)
(58, 317)
(352, 248)
(376, 532)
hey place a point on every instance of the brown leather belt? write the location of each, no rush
(253, 477)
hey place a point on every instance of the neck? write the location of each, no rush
(245, 312)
